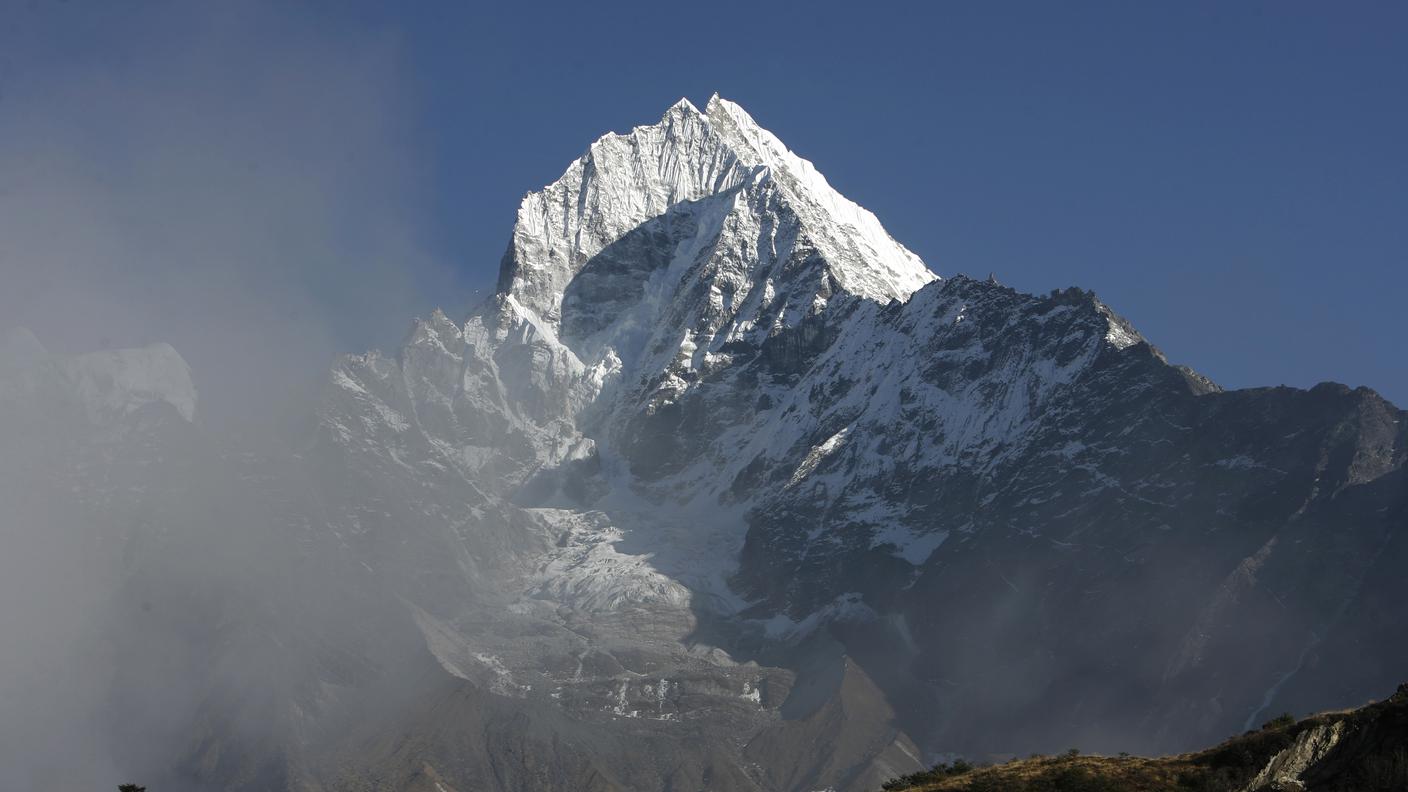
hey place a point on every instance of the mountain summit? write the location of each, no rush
(723, 488)
(705, 170)
(743, 435)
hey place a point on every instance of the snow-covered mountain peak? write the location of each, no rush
(626, 181)
(683, 106)
(715, 415)
(887, 270)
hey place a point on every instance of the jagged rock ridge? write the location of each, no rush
(724, 488)
(742, 409)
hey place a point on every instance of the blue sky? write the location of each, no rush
(1230, 176)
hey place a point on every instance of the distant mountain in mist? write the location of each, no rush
(723, 489)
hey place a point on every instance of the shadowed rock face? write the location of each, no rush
(724, 489)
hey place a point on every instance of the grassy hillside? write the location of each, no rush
(1364, 750)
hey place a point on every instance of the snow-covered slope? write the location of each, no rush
(715, 406)
(724, 488)
(659, 262)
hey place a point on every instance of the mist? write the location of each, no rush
(237, 183)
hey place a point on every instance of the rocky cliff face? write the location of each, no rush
(725, 489)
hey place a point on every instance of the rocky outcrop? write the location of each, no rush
(1361, 750)
(1284, 770)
